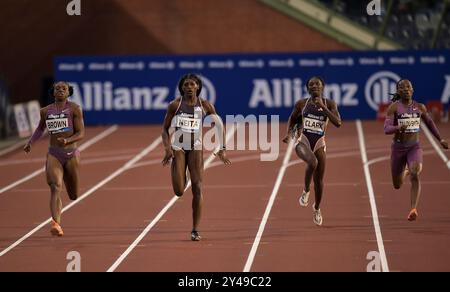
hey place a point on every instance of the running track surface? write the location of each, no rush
(241, 201)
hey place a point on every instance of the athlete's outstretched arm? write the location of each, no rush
(211, 111)
(78, 127)
(432, 126)
(293, 118)
(389, 127)
(37, 133)
(170, 114)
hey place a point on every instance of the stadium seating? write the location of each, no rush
(412, 23)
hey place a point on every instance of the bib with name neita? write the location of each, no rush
(189, 118)
(188, 124)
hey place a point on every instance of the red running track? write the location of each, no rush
(103, 225)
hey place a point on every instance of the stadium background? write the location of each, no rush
(125, 57)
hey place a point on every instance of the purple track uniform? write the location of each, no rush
(59, 121)
(409, 152)
(314, 123)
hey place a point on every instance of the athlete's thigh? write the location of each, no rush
(414, 160)
(305, 153)
(72, 177)
(398, 164)
(54, 170)
(178, 167)
(195, 164)
(321, 157)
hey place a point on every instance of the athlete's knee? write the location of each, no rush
(55, 187)
(414, 175)
(73, 195)
(313, 163)
(197, 188)
(178, 191)
(397, 184)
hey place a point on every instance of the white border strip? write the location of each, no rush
(125, 167)
(436, 146)
(41, 170)
(158, 217)
(373, 205)
(13, 147)
(276, 187)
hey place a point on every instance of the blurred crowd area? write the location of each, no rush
(414, 24)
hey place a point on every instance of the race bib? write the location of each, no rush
(188, 124)
(314, 126)
(413, 124)
(57, 125)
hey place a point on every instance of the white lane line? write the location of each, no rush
(436, 146)
(119, 171)
(276, 187)
(158, 217)
(373, 204)
(13, 147)
(41, 170)
(86, 159)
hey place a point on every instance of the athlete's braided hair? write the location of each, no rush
(193, 77)
(396, 96)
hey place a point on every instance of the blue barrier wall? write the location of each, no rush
(137, 89)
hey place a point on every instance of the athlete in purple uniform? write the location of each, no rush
(403, 120)
(184, 147)
(310, 117)
(64, 122)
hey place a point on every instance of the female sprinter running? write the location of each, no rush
(403, 120)
(64, 122)
(185, 147)
(310, 116)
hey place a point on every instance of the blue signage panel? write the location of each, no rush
(137, 89)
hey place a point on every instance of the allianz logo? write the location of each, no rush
(410, 60)
(227, 64)
(95, 66)
(341, 61)
(432, 60)
(191, 65)
(311, 62)
(371, 61)
(251, 63)
(378, 87)
(289, 63)
(71, 66)
(169, 65)
(285, 92)
(100, 96)
(132, 66)
(380, 84)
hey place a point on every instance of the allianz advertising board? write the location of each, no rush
(138, 89)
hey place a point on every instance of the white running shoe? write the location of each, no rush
(304, 199)
(317, 216)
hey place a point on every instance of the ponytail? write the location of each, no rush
(395, 97)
